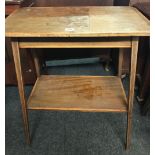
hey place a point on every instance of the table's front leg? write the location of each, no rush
(134, 51)
(16, 56)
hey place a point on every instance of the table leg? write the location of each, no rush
(36, 62)
(134, 51)
(120, 62)
(16, 56)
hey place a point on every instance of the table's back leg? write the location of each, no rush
(120, 62)
(134, 51)
(36, 61)
(16, 56)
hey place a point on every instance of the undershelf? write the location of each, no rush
(80, 93)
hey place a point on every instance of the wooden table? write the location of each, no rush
(77, 27)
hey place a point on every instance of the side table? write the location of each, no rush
(77, 27)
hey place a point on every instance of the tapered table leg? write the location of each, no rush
(120, 62)
(16, 56)
(134, 51)
(36, 62)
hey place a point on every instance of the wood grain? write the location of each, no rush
(120, 62)
(16, 55)
(110, 42)
(76, 22)
(134, 52)
(36, 62)
(81, 93)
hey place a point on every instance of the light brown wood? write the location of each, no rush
(36, 62)
(134, 52)
(81, 93)
(76, 22)
(75, 45)
(120, 62)
(102, 43)
(16, 55)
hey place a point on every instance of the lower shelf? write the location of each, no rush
(81, 93)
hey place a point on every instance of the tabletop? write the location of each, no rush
(102, 21)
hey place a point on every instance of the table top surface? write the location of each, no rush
(109, 21)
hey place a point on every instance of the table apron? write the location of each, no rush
(109, 42)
